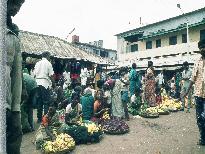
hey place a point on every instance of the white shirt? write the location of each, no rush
(42, 71)
(133, 98)
(186, 74)
(160, 79)
(84, 75)
(69, 108)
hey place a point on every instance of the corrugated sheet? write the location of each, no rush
(33, 43)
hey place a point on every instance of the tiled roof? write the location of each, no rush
(33, 43)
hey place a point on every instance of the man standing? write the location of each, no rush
(83, 76)
(13, 81)
(198, 78)
(43, 72)
(186, 76)
(30, 87)
(160, 78)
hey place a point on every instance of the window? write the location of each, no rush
(134, 47)
(96, 51)
(184, 38)
(158, 43)
(103, 53)
(202, 34)
(173, 40)
(149, 45)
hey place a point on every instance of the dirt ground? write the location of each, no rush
(176, 133)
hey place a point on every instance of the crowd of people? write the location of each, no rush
(112, 92)
(46, 91)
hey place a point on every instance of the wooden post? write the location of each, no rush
(3, 11)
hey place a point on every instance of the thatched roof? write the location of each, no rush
(35, 44)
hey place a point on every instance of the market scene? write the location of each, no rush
(145, 95)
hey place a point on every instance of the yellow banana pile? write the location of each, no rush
(63, 143)
(92, 127)
(152, 110)
(171, 104)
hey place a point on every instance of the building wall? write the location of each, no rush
(194, 36)
(172, 23)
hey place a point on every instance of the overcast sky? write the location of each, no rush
(96, 19)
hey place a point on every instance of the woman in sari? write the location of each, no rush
(117, 105)
(150, 85)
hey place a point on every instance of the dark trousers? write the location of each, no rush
(200, 120)
(43, 102)
(13, 132)
(31, 103)
(125, 100)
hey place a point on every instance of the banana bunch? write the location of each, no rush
(152, 110)
(171, 104)
(63, 142)
(106, 115)
(92, 127)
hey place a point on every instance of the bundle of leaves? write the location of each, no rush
(134, 108)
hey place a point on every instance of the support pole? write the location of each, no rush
(3, 10)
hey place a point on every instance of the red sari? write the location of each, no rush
(150, 86)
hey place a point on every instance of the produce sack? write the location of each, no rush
(114, 126)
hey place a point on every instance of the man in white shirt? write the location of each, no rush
(67, 78)
(84, 76)
(160, 78)
(43, 73)
(186, 76)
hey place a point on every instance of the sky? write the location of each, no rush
(95, 20)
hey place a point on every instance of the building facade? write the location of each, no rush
(95, 48)
(164, 42)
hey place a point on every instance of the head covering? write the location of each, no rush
(88, 91)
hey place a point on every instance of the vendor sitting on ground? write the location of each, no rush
(73, 110)
(99, 105)
(87, 101)
(47, 119)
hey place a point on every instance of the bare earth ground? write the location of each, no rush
(176, 133)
